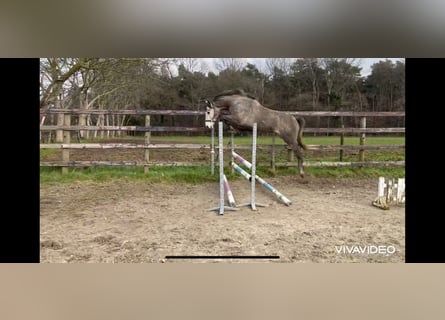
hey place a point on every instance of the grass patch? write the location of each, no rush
(334, 172)
(156, 174)
(48, 152)
(201, 174)
(246, 140)
(335, 140)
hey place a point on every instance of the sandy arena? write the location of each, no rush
(137, 222)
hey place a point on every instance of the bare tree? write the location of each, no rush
(203, 66)
(54, 75)
(87, 83)
(232, 64)
(190, 64)
(283, 64)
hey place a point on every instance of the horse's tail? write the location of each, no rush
(301, 123)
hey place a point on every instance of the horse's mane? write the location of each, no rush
(234, 92)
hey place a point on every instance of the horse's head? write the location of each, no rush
(210, 114)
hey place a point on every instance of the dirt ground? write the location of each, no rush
(136, 222)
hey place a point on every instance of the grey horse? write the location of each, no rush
(241, 110)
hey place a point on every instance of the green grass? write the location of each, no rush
(201, 174)
(355, 140)
(48, 152)
(246, 140)
(156, 174)
(322, 140)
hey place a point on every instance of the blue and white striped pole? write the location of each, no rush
(269, 187)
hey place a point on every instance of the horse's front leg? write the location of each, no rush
(229, 120)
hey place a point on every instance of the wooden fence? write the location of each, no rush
(64, 128)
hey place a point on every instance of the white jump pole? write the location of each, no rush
(232, 148)
(221, 168)
(221, 207)
(230, 197)
(253, 204)
(212, 152)
(253, 170)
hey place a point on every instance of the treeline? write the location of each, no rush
(309, 84)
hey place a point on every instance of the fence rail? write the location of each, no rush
(117, 163)
(349, 164)
(206, 146)
(66, 129)
(200, 129)
(136, 112)
(202, 113)
(125, 128)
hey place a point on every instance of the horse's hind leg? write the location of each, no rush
(299, 155)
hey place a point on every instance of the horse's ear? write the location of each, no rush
(209, 104)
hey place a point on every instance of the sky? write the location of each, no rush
(368, 62)
(365, 63)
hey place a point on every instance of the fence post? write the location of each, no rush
(290, 155)
(272, 162)
(42, 121)
(50, 133)
(59, 132)
(362, 139)
(67, 140)
(147, 141)
(342, 142)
